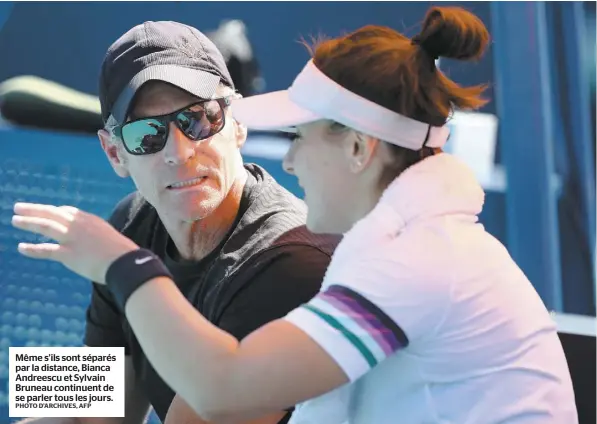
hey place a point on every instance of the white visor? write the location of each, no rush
(313, 97)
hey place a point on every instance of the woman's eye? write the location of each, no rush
(292, 137)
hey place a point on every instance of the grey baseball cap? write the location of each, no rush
(165, 51)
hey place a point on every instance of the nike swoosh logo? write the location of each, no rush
(142, 261)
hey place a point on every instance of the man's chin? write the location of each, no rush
(198, 212)
(194, 209)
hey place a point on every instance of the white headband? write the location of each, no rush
(313, 96)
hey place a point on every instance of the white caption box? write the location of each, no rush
(66, 382)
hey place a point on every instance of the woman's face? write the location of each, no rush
(320, 157)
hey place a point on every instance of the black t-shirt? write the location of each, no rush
(268, 265)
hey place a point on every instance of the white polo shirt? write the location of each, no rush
(430, 317)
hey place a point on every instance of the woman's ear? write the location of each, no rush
(362, 150)
(114, 154)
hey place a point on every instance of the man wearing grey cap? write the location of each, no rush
(232, 237)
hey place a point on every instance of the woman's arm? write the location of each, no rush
(274, 368)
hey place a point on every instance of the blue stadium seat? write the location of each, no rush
(42, 303)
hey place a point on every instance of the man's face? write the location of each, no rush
(187, 180)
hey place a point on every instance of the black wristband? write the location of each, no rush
(131, 271)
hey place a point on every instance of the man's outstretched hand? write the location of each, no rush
(84, 243)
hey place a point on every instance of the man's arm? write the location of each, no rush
(292, 277)
(136, 405)
(104, 328)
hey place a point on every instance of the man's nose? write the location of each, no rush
(179, 148)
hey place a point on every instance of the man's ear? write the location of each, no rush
(113, 153)
(240, 133)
